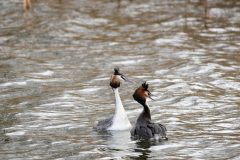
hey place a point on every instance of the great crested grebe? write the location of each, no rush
(119, 121)
(144, 127)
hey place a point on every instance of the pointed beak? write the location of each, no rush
(126, 79)
(151, 96)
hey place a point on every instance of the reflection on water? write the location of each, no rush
(143, 147)
(55, 63)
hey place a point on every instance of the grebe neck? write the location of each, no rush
(120, 120)
(145, 116)
(146, 111)
(118, 102)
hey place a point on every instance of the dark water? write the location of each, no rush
(56, 60)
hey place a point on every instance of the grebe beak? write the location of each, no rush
(150, 95)
(126, 79)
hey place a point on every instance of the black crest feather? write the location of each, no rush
(116, 71)
(145, 86)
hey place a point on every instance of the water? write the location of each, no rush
(55, 64)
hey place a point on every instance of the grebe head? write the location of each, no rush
(116, 78)
(142, 93)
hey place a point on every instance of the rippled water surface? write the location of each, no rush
(56, 60)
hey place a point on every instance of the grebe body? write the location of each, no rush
(144, 127)
(119, 121)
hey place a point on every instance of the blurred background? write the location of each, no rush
(57, 57)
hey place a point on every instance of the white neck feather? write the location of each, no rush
(118, 102)
(120, 120)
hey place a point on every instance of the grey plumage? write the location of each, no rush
(148, 130)
(102, 125)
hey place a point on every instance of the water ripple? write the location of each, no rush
(56, 61)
